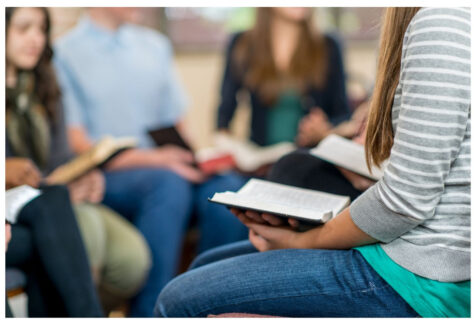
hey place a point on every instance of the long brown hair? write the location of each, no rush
(46, 86)
(379, 137)
(254, 59)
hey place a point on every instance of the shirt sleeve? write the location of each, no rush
(60, 150)
(230, 86)
(433, 109)
(71, 96)
(173, 104)
(336, 96)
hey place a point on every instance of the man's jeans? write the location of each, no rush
(160, 203)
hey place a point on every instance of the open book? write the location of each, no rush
(102, 152)
(16, 199)
(347, 154)
(227, 153)
(245, 155)
(309, 206)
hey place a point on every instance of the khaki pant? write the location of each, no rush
(117, 252)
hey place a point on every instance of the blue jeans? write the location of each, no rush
(294, 283)
(160, 203)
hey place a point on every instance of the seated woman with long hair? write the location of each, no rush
(294, 76)
(36, 143)
(402, 249)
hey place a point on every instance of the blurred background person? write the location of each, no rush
(8, 237)
(36, 143)
(294, 75)
(47, 246)
(118, 79)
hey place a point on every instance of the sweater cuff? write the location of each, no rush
(370, 214)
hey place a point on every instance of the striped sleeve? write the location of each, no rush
(430, 117)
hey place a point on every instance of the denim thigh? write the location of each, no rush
(296, 283)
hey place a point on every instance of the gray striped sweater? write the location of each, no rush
(421, 209)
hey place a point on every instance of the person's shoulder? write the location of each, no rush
(149, 36)
(71, 39)
(444, 19)
(333, 41)
(234, 38)
(452, 26)
(443, 14)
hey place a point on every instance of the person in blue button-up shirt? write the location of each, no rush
(118, 79)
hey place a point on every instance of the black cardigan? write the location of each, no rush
(332, 99)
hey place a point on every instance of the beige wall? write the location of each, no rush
(201, 75)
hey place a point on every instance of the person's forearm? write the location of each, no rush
(78, 139)
(338, 233)
(133, 158)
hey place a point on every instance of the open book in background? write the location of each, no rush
(101, 153)
(307, 206)
(169, 135)
(347, 154)
(16, 199)
(229, 152)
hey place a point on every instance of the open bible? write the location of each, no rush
(229, 152)
(347, 154)
(102, 152)
(308, 206)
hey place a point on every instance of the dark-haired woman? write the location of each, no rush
(402, 249)
(36, 144)
(294, 75)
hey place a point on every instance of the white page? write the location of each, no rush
(250, 156)
(347, 154)
(16, 199)
(246, 202)
(285, 200)
(292, 196)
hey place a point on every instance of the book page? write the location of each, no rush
(250, 156)
(293, 196)
(347, 154)
(245, 202)
(16, 199)
(88, 160)
(285, 200)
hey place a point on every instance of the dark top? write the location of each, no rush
(332, 98)
(60, 152)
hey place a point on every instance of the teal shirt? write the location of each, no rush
(283, 119)
(429, 298)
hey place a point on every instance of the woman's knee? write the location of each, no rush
(223, 252)
(180, 297)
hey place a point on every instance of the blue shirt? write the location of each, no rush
(119, 83)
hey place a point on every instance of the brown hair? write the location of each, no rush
(46, 86)
(379, 137)
(253, 58)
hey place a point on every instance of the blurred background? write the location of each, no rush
(200, 35)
